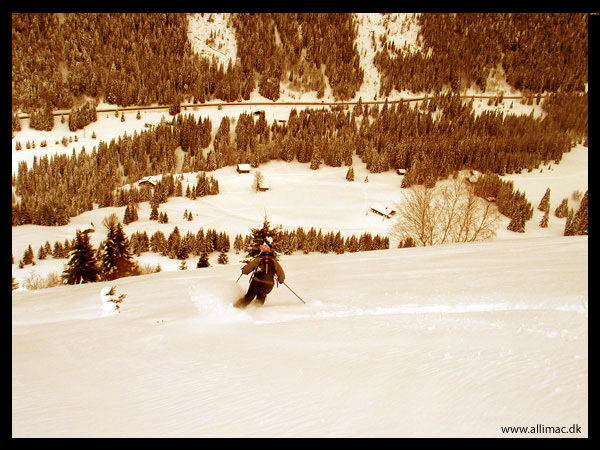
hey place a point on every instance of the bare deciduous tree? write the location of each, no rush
(449, 212)
(259, 179)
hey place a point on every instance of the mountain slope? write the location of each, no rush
(454, 340)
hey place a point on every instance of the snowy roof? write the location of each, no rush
(383, 210)
(86, 227)
(149, 179)
(244, 167)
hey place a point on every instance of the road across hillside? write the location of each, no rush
(266, 103)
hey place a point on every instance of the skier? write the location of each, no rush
(265, 268)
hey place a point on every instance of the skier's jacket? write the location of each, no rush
(265, 267)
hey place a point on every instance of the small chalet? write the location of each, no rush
(401, 171)
(243, 168)
(383, 210)
(149, 180)
(263, 185)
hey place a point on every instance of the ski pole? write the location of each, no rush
(239, 277)
(294, 293)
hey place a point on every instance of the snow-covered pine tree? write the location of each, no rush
(82, 267)
(261, 235)
(223, 258)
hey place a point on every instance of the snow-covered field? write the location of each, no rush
(453, 340)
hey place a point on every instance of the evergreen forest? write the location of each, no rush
(60, 59)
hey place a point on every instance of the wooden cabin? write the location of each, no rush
(243, 168)
(383, 211)
(263, 185)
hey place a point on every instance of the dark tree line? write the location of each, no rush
(57, 188)
(178, 246)
(82, 116)
(511, 203)
(141, 59)
(538, 52)
(431, 140)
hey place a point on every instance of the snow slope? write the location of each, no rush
(455, 340)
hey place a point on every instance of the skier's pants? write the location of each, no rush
(258, 289)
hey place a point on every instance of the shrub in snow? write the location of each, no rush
(110, 301)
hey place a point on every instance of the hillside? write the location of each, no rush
(60, 60)
(454, 341)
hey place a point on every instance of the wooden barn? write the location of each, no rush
(243, 168)
(383, 211)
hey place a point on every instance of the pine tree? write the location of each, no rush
(82, 267)
(238, 243)
(223, 258)
(203, 261)
(174, 244)
(154, 211)
(569, 229)
(544, 221)
(58, 250)
(315, 160)
(516, 224)
(580, 220)
(545, 202)
(28, 256)
(259, 236)
(562, 210)
(117, 259)
(130, 215)
(350, 174)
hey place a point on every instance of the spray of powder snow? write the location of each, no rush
(214, 300)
